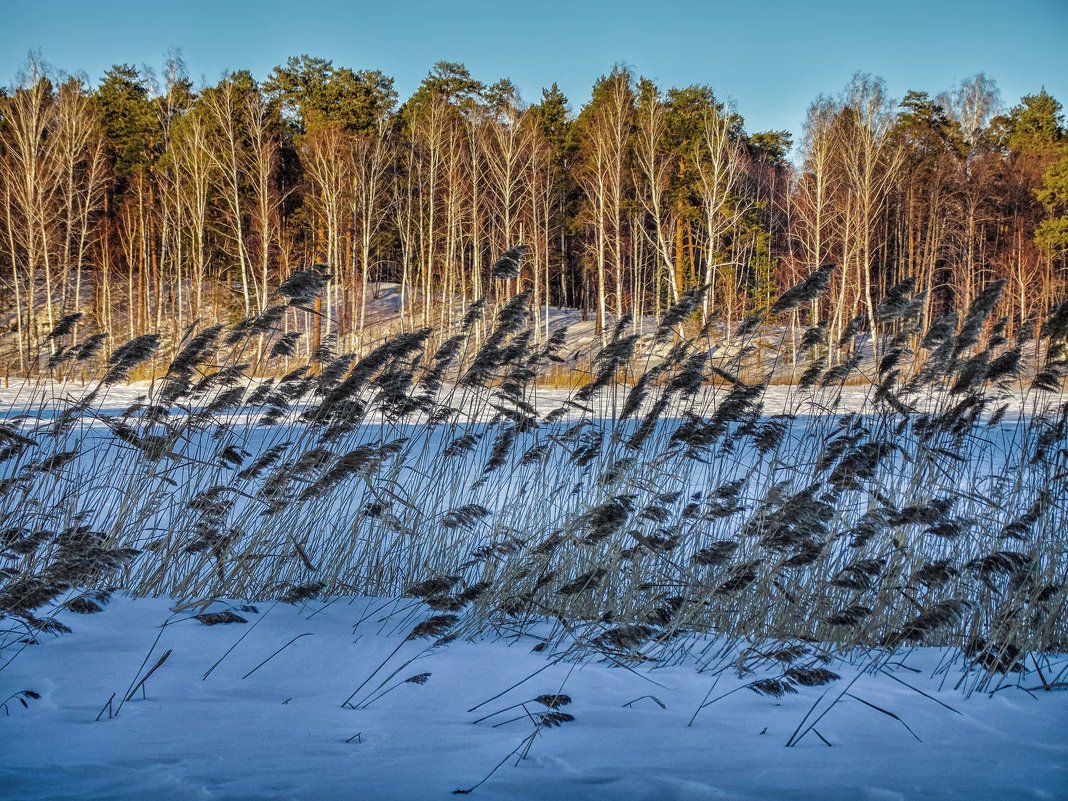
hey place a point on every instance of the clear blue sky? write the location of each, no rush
(771, 57)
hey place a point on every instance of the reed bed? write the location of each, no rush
(658, 503)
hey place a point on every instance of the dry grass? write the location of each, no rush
(657, 500)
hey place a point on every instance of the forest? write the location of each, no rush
(147, 203)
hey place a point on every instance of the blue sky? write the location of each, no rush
(771, 58)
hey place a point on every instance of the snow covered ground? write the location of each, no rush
(39, 398)
(278, 730)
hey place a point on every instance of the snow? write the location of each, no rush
(41, 398)
(281, 732)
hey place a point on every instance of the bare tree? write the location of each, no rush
(871, 160)
(815, 188)
(370, 198)
(973, 103)
(32, 177)
(720, 164)
(224, 105)
(79, 146)
(262, 161)
(603, 176)
(197, 177)
(655, 164)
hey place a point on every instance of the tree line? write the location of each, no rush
(147, 203)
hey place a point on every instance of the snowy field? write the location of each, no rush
(277, 730)
(39, 397)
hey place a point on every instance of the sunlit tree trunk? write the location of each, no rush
(370, 198)
(33, 175)
(327, 158)
(720, 164)
(871, 161)
(262, 164)
(655, 164)
(198, 172)
(813, 203)
(223, 105)
(602, 176)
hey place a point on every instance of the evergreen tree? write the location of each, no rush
(130, 122)
(314, 93)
